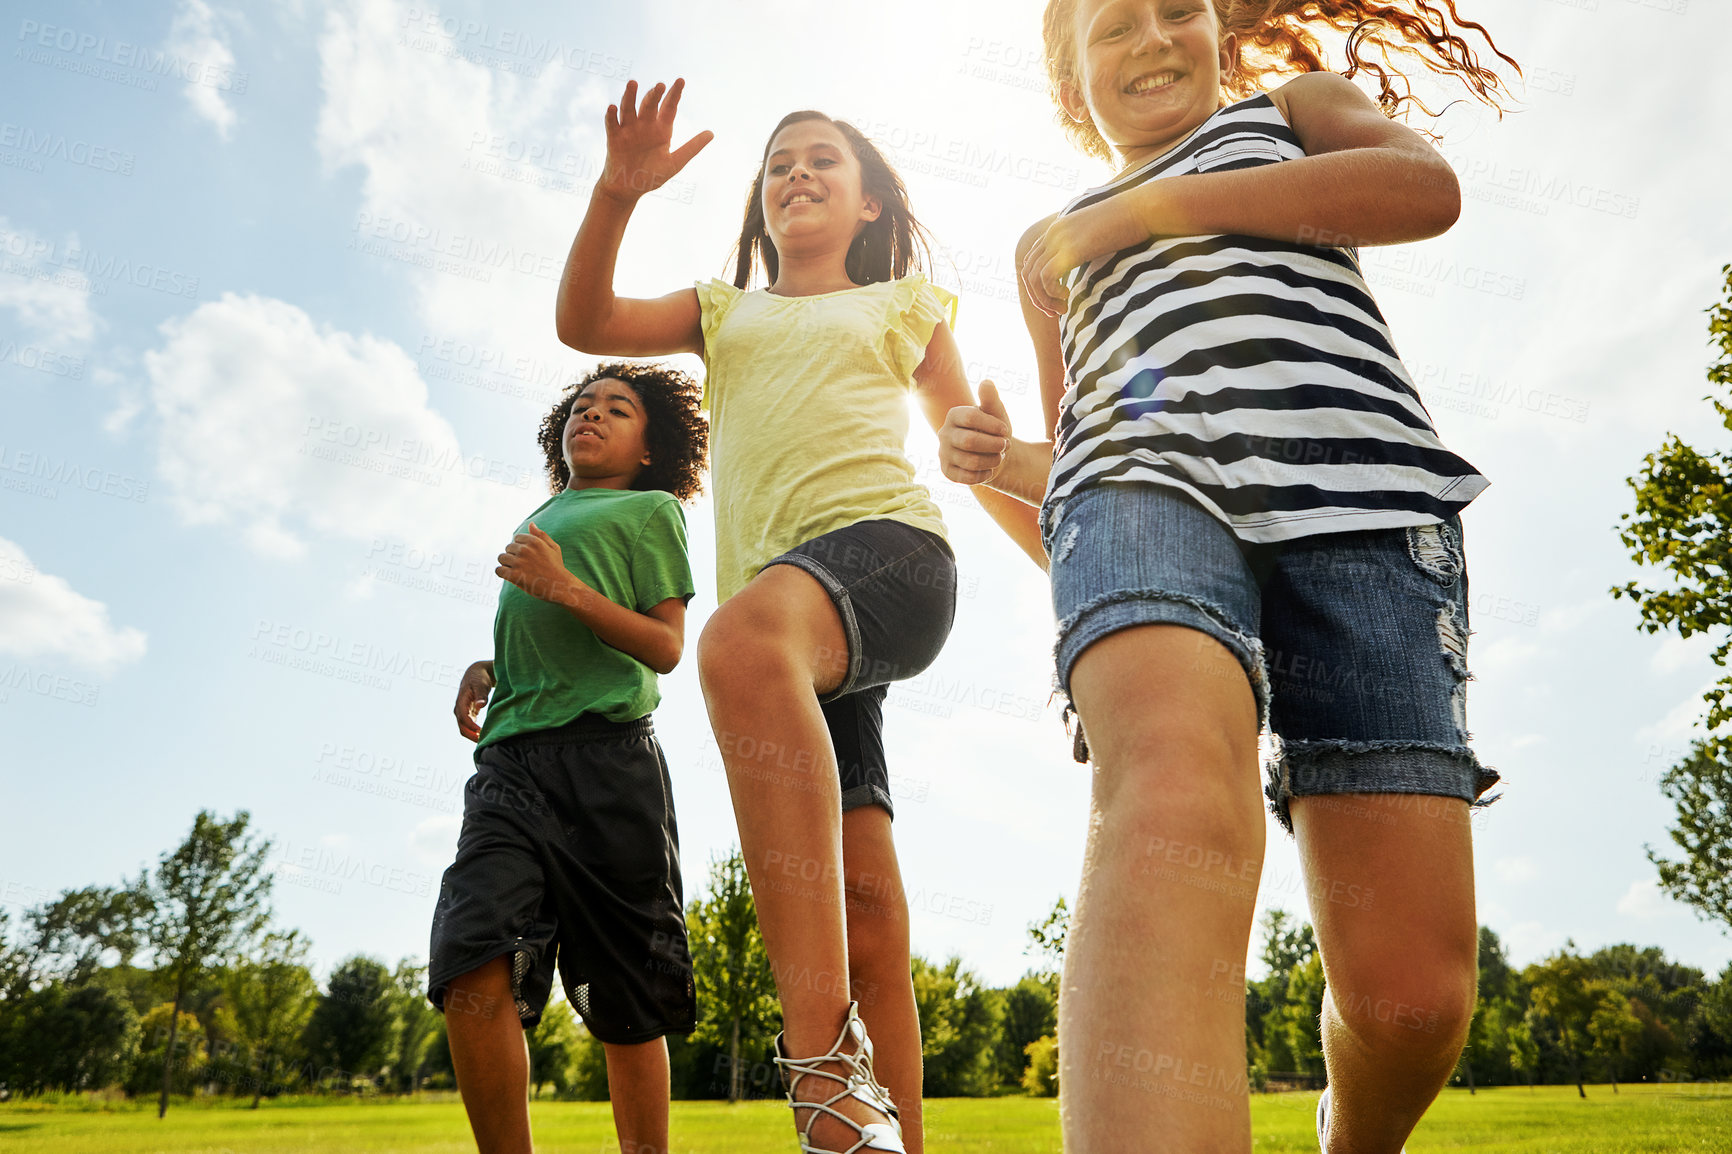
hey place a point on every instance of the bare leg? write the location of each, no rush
(1152, 1014)
(878, 961)
(1390, 878)
(764, 658)
(491, 1057)
(637, 1085)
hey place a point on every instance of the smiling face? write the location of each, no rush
(813, 197)
(1148, 72)
(604, 436)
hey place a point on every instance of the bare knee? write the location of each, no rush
(1411, 1011)
(878, 938)
(746, 646)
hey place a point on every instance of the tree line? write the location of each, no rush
(177, 983)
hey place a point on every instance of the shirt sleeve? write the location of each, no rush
(660, 568)
(716, 298)
(916, 307)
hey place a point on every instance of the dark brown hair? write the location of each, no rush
(888, 248)
(1277, 40)
(675, 433)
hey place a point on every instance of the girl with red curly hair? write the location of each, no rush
(1250, 522)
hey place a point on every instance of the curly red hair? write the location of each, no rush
(1277, 39)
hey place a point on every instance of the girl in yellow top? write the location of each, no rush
(832, 567)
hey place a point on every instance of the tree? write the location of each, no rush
(67, 1038)
(1287, 945)
(553, 1047)
(417, 1025)
(1565, 999)
(959, 1021)
(1030, 1014)
(1613, 1028)
(1524, 1049)
(353, 1029)
(736, 988)
(205, 901)
(1683, 523)
(73, 932)
(153, 1063)
(1046, 941)
(1299, 1019)
(1040, 1078)
(271, 995)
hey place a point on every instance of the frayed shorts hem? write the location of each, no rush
(1316, 768)
(1127, 609)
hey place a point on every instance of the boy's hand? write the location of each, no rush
(973, 441)
(535, 564)
(638, 135)
(472, 693)
(1073, 240)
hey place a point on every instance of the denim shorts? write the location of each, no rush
(1355, 644)
(894, 587)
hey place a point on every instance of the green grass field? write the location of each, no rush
(1549, 1120)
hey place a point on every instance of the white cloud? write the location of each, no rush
(475, 176)
(1644, 900)
(194, 37)
(1680, 653)
(1517, 869)
(43, 616)
(282, 428)
(434, 841)
(52, 300)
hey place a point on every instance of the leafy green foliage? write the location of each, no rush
(553, 1047)
(353, 1030)
(959, 1022)
(736, 990)
(1682, 524)
(204, 902)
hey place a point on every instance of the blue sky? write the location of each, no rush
(275, 335)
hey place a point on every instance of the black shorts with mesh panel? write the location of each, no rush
(569, 854)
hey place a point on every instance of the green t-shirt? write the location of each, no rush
(628, 545)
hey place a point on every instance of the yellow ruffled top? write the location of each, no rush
(808, 403)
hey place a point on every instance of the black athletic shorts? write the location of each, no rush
(569, 851)
(895, 589)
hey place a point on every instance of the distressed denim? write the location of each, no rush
(1354, 644)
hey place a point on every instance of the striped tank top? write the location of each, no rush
(1257, 376)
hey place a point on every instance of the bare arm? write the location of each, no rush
(1365, 180)
(588, 316)
(977, 446)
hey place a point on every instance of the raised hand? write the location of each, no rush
(472, 693)
(974, 439)
(1072, 240)
(638, 139)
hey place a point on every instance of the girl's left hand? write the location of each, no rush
(1073, 240)
(535, 564)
